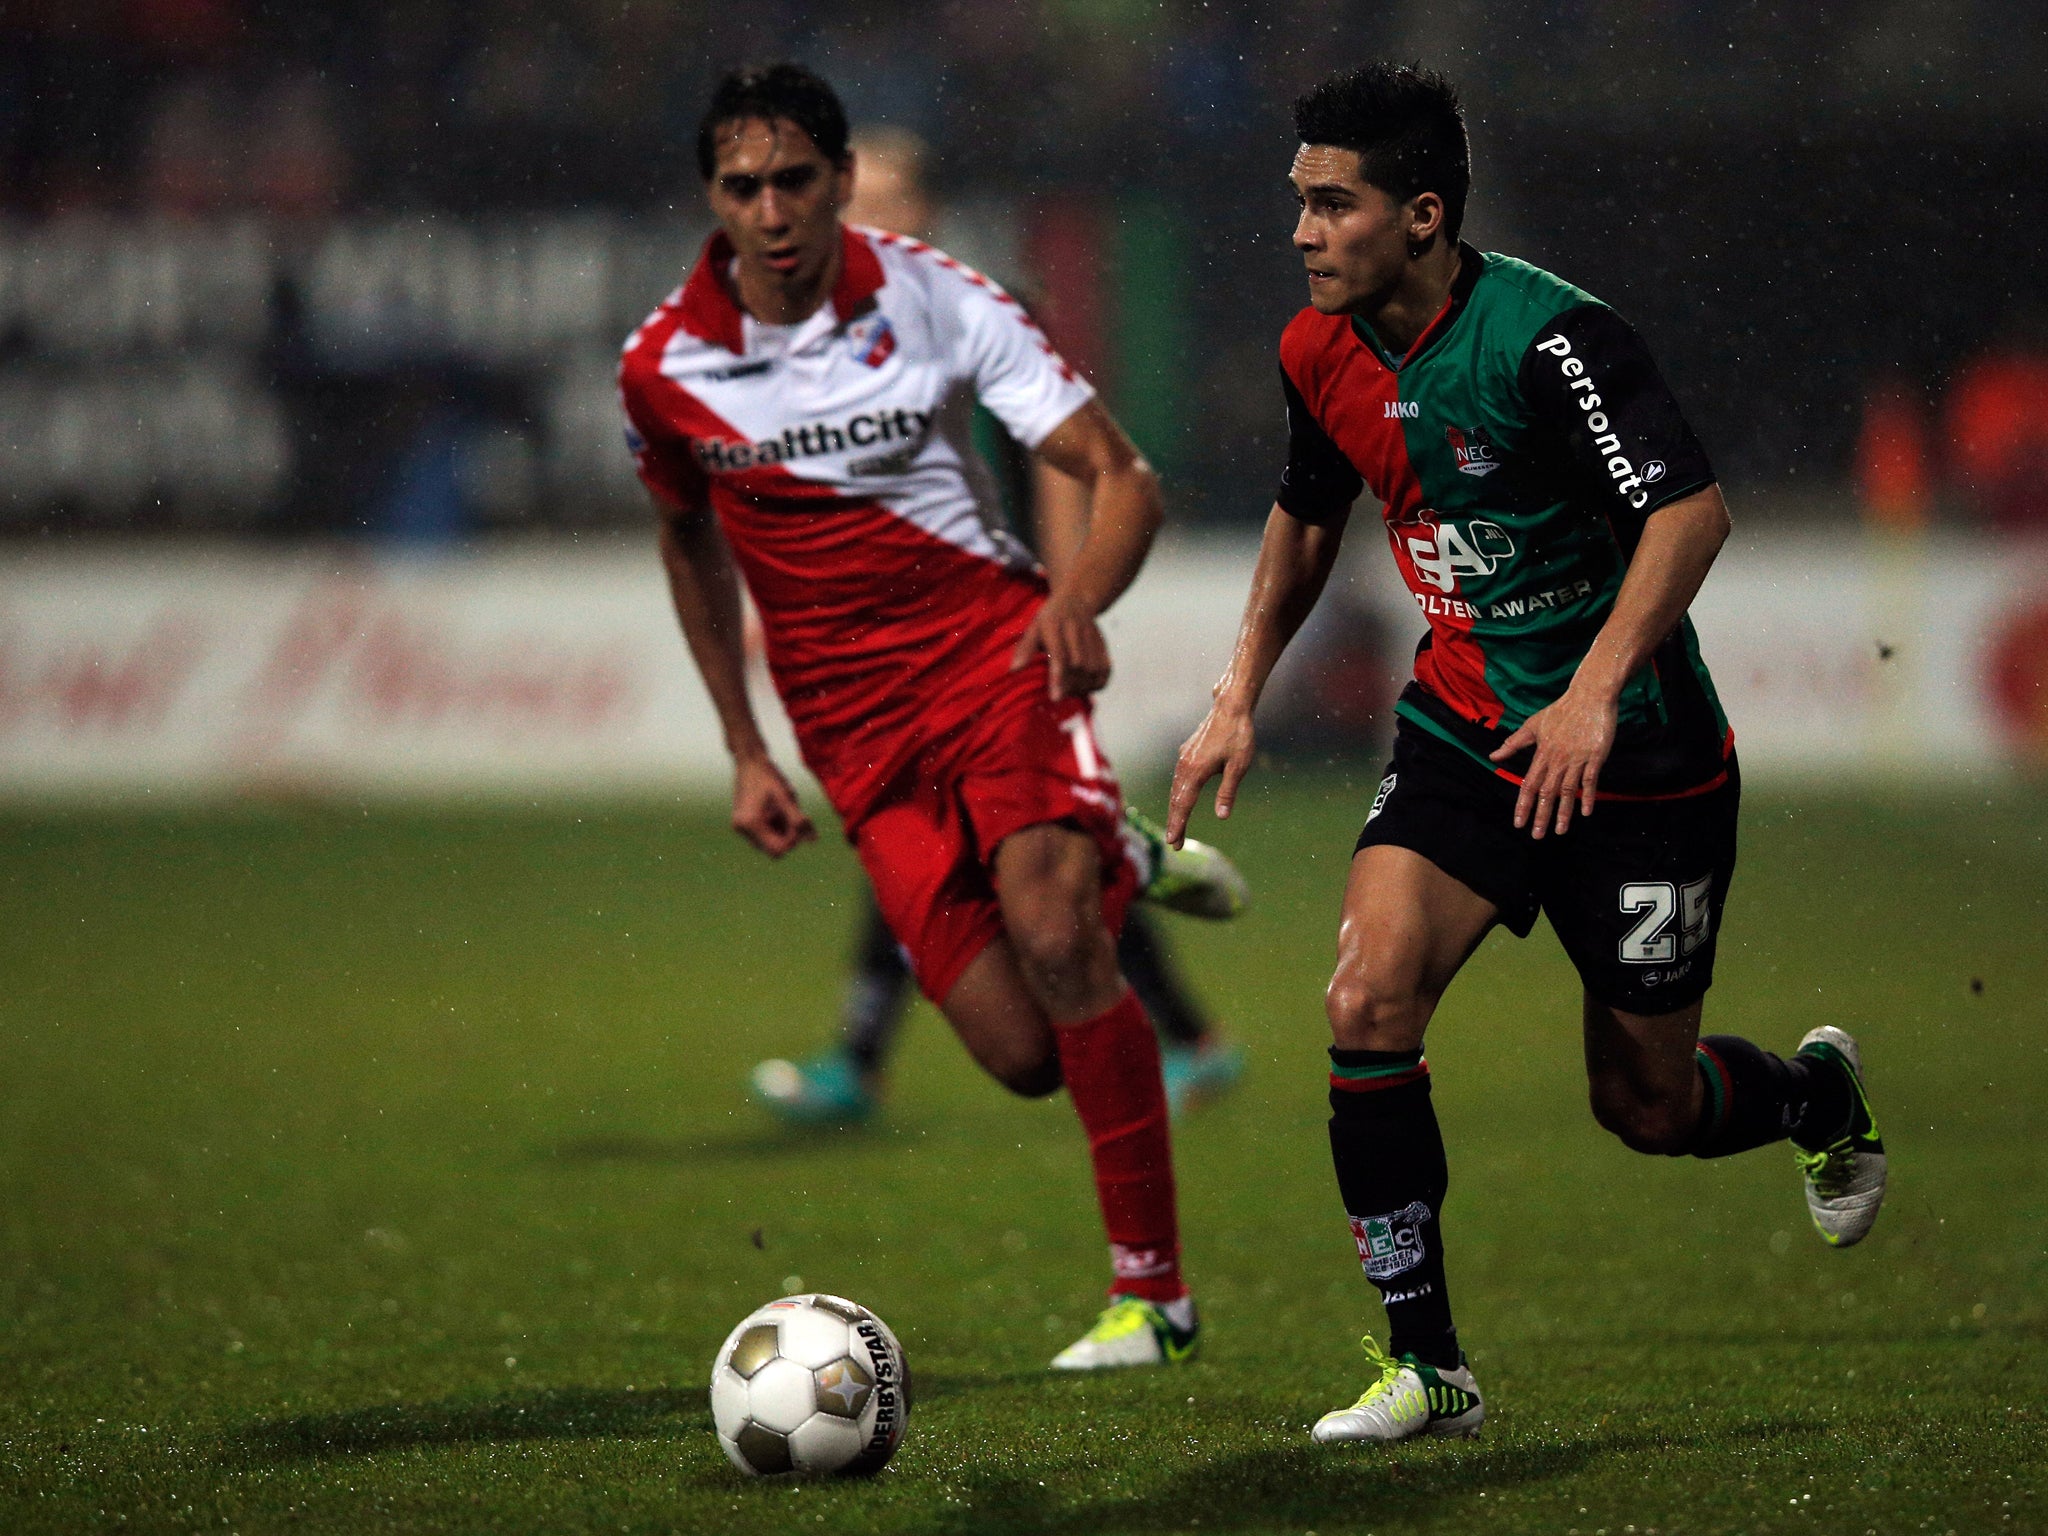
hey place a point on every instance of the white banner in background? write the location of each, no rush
(1835, 651)
(560, 669)
(547, 670)
(544, 671)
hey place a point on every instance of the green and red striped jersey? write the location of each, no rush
(1518, 447)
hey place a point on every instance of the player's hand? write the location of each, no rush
(1572, 739)
(1223, 743)
(765, 810)
(1076, 655)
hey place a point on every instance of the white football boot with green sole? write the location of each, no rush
(1406, 1399)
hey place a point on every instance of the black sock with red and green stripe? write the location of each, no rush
(1391, 1172)
(1754, 1098)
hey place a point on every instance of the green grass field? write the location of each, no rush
(389, 1171)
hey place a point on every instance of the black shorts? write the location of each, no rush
(1635, 891)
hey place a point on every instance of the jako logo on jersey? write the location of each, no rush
(1445, 552)
(1473, 450)
(1626, 481)
(1403, 410)
(908, 428)
(872, 340)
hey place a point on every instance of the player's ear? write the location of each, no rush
(1425, 221)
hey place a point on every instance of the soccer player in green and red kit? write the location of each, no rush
(1560, 747)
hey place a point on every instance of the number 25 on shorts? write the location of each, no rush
(1651, 942)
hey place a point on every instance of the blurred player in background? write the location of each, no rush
(1553, 516)
(843, 1083)
(800, 409)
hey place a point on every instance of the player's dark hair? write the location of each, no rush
(769, 91)
(1408, 128)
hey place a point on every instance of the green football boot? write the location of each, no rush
(1194, 879)
(1406, 1398)
(826, 1090)
(1132, 1331)
(1845, 1178)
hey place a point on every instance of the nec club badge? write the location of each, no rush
(1473, 450)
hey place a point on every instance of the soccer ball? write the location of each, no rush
(814, 1385)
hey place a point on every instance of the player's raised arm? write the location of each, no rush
(1124, 512)
(706, 590)
(1295, 557)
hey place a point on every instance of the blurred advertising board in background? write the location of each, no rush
(556, 668)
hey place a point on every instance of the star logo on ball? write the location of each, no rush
(842, 1387)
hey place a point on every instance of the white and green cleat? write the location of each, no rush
(1407, 1399)
(1844, 1179)
(1133, 1331)
(1194, 879)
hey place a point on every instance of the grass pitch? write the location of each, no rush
(383, 1171)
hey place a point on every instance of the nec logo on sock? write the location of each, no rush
(1390, 1245)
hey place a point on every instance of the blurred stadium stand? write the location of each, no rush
(362, 269)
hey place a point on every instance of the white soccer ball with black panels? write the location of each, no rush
(812, 1385)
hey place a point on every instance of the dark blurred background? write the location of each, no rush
(362, 269)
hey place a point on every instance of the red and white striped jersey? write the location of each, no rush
(836, 455)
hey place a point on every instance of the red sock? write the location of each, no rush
(1112, 1069)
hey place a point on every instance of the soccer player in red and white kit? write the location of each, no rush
(799, 409)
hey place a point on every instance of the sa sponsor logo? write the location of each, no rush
(1390, 1245)
(873, 340)
(1444, 552)
(1473, 450)
(1403, 410)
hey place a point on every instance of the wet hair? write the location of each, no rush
(768, 92)
(1408, 128)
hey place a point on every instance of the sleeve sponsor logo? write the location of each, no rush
(1578, 380)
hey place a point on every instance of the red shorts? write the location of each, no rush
(929, 841)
